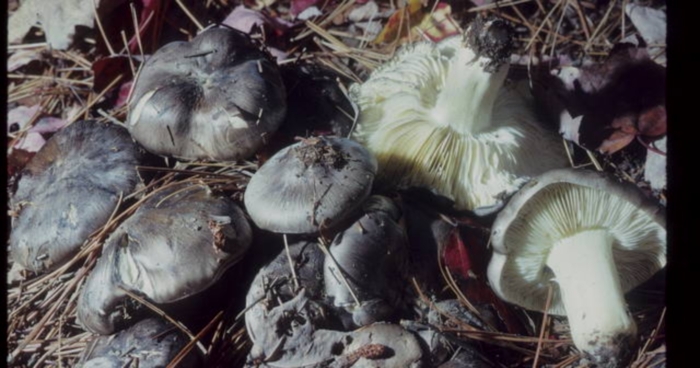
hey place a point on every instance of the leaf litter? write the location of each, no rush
(573, 52)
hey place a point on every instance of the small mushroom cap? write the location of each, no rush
(311, 185)
(152, 342)
(175, 245)
(559, 204)
(68, 190)
(371, 257)
(216, 97)
(274, 284)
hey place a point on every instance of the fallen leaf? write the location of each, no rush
(16, 160)
(30, 142)
(655, 167)
(652, 122)
(438, 24)
(246, 20)
(23, 57)
(298, 6)
(456, 256)
(123, 96)
(259, 4)
(20, 116)
(651, 24)
(107, 69)
(605, 106)
(308, 13)
(58, 18)
(622, 136)
(368, 11)
(402, 21)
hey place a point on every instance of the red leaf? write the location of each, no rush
(107, 69)
(456, 256)
(652, 122)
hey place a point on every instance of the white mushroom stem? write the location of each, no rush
(590, 288)
(466, 77)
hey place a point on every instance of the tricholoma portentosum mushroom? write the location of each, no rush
(216, 97)
(439, 116)
(591, 239)
(312, 185)
(68, 190)
(365, 263)
(150, 343)
(291, 326)
(177, 244)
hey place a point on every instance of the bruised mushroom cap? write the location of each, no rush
(311, 185)
(273, 291)
(216, 97)
(152, 342)
(587, 235)
(68, 190)
(439, 116)
(175, 245)
(371, 257)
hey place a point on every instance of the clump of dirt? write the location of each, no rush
(317, 151)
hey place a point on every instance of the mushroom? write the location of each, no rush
(365, 264)
(439, 116)
(315, 184)
(68, 190)
(217, 97)
(150, 343)
(275, 293)
(591, 239)
(175, 245)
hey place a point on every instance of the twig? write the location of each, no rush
(321, 244)
(102, 31)
(544, 325)
(186, 350)
(160, 312)
(189, 15)
(295, 279)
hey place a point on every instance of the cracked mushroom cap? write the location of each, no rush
(438, 116)
(217, 97)
(314, 184)
(68, 190)
(150, 343)
(589, 237)
(367, 261)
(177, 244)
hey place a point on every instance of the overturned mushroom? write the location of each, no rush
(366, 264)
(591, 239)
(216, 97)
(69, 190)
(150, 343)
(312, 185)
(175, 245)
(439, 116)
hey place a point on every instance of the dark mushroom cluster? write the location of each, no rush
(359, 251)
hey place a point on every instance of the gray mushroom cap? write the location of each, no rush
(175, 245)
(370, 256)
(68, 190)
(311, 185)
(151, 342)
(216, 97)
